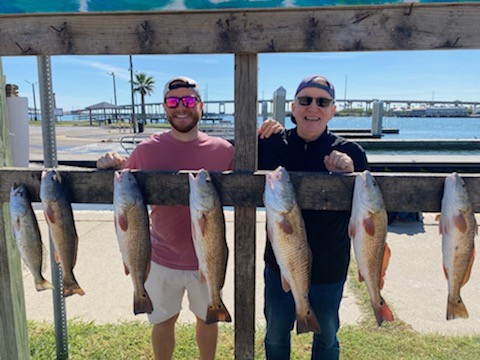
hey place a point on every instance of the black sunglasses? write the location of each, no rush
(322, 102)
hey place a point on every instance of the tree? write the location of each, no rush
(144, 85)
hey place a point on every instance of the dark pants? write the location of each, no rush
(280, 315)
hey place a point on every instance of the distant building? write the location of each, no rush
(433, 111)
(452, 111)
(11, 90)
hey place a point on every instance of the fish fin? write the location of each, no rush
(217, 313)
(202, 222)
(386, 259)
(460, 222)
(123, 222)
(445, 272)
(126, 269)
(438, 217)
(285, 285)
(456, 309)
(49, 214)
(286, 226)
(71, 288)
(308, 323)
(142, 303)
(382, 312)
(360, 277)
(43, 285)
(469, 268)
(202, 276)
(352, 230)
(369, 226)
(56, 257)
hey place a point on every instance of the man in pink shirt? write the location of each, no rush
(174, 266)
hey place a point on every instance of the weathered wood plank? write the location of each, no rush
(354, 28)
(246, 83)
(13, 322)
(401, 191)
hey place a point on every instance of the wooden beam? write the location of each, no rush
(321, 191)
(13, 322)
(246, 84)
(410, 26)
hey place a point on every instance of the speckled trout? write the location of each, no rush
(208, 233)
(27, 235)
(132, 227)
(59, 215)
(368, 231)
(458, 228)
(286, 232)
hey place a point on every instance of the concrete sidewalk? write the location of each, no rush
(415, 287)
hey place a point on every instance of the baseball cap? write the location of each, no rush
(181, 82)
(313, 81)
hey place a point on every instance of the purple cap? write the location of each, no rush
(313, 81)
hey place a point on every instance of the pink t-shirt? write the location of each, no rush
(171, 231)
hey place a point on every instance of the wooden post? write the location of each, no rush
(377, 117)
(245, 217)
(13, 322)
(279, 99)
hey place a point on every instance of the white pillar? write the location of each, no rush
(17, 113)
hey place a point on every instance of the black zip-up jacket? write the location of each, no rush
(327, 231)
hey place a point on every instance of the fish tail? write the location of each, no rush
(217, 313)
(142, 303)
(383, 312)
(456, 309)
(308, 323)
(43, 285)
(71, 289)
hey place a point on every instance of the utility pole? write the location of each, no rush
(134, 122)
(114, 92)
(34, 100)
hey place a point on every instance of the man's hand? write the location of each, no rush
(269, 127)
(111, 160)
(338, 162)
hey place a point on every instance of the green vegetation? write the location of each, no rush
(132, 341)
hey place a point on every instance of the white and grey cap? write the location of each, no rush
(181, 82)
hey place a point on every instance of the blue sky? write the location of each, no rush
(80, 81)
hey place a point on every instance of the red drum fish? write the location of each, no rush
(286, 232)
(133, 235)
(208, 233)
(27, 235)
(458, 228)
(59, 215)
(368, 229)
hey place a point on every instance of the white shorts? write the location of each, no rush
(166, 288)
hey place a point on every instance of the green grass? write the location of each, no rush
(365, 341)
(132, 341)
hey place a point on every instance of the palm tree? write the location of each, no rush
(144, 85)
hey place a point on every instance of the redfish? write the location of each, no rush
(208, 233)
(286, 232)
(368, 228)
(59, 217)
(133, 235)
(458, 228)
(27, 235)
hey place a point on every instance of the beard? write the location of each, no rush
(184, 126)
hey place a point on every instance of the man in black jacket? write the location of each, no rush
(311, 147)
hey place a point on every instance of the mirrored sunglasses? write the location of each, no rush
(189, 102)
(322, 102)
